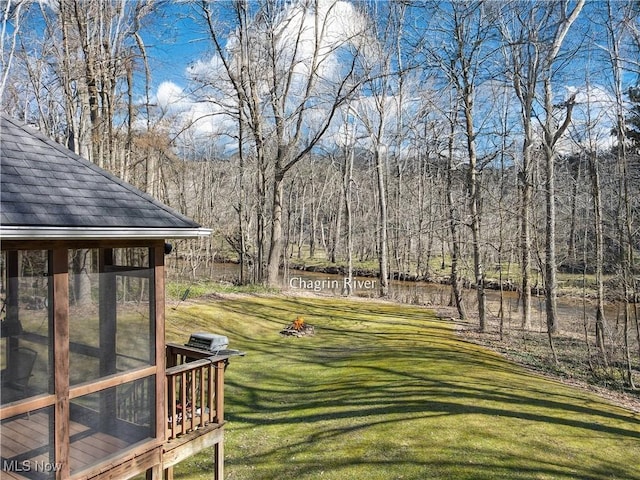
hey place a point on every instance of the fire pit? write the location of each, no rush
(298, 328)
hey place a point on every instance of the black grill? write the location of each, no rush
(208, 341)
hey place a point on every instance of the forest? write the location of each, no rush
(484, 144)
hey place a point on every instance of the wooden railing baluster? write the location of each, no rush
(194, 387)
(202, 396)
(212, 392)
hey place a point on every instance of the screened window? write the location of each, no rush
(111, 312)
(26, 332)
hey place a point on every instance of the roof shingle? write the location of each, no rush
(43, 184)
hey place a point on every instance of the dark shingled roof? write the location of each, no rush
(43, 184)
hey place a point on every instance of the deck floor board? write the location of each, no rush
(27, 439)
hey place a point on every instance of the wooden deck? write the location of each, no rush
(25, 447)
(193, 411)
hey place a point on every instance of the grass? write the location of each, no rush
(384, 391)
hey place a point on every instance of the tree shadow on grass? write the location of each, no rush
(351, 398)
(458, 468)
(335, 416)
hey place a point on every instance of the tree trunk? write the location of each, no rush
(474, 204)
(337, 230)
(552, 134)
(275, 247)
(260, 220)
(383, 260)
(453, 228)
(572, 227)
(241, 195)
(597, 210)
(314, 220)
(550, 284)
(347, 181)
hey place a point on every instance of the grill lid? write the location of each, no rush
(208, 341)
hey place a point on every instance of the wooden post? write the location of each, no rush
(218, 458)
(12, 314)
(173, 411)
(218, 448)
(219, 391)
(154, 473)
(168, 473)
(108, 332)
(156, 261)
(203, 399)
(59, 263)
(183, 402)
(211, 390)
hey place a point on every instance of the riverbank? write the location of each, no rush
(570, 284)
(578, 365)
(443, 279)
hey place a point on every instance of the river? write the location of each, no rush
(571, 310)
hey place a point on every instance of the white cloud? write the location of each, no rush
(306, 38)
(592, 121)
(206, 70)
(170, 97)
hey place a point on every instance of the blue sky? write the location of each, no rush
(175, 38)
(174, 41)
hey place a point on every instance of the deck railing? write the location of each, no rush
(195, 390)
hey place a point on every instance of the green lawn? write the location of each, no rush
(384, 391)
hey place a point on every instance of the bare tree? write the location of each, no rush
(586, 133)
(522, 65)
(12, 14)
(280, 61)
(96, 57)
(454, 214)
(471, 26)
(463, 29)
(621, 28)
(552, 132)
(533, 36)
(349, 144)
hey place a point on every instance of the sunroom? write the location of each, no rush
(85, 389)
